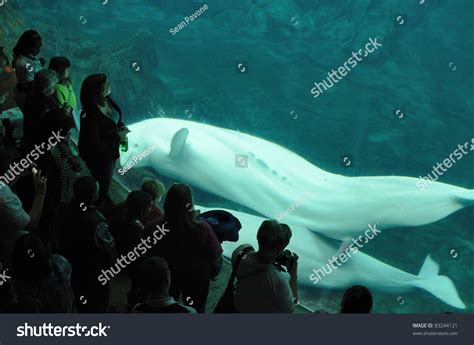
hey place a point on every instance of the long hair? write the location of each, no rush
(179, 211)
(59, 64)
(26, 44)
(31, 260)
(92, 91)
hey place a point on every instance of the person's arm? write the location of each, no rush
(294, 278)
(61, 95)
(214, 251)
(105, 242)
(90, 135)
(37, 207)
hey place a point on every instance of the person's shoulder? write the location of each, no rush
(62, 88)
(21, 61)
(203, 225)
(5, 192)
(242, 249)
(62, 266)
(90, 113)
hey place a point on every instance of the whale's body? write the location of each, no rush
(270, 179)
(314, 251)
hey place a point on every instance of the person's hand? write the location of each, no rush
(122, 134)
(67, 110)
(293, 270)
(124, 128)
(75, 165)
(40, 183)
(29, 171)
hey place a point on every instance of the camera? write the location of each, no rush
(285, 260)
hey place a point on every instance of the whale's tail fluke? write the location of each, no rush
(440, 286)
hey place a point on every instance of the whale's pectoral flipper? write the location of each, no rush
(178, 142)
(439, 286)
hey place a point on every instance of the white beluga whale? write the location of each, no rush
(314, 251)
(271, 179)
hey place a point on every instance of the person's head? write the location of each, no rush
(273, 238)
(356, 299)
(179, 210)
(61, 65)
(152, 279)
(29, 43)
(86, 190)
(31, 260)
(46, 81)
(95, 88)
(138, 204)
(154, 187)
(178, 204)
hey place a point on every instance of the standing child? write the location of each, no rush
(64, 90)
(66, 96)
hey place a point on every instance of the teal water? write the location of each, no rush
(424, 69)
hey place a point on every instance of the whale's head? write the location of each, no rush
(153, 143)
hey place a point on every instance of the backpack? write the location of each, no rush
(224, 224)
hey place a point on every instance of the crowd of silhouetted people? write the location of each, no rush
(64, 244)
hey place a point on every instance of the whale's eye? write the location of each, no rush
(136, 145)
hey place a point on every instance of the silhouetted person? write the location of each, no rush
(6, 75)
(13, 217)
(64, 90)
(42, 277)
(102, 131)
(26, 63)
(7, 292)
(261, 286)
(156, 190)
(150, 289)
(356, 299)
(85, 240)
(41, 100)
(190, 248)
(59, 160)
(128, 230)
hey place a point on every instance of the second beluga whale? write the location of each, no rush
(269, 179)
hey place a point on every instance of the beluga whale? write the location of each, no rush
(271, 179)
(315, 250)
